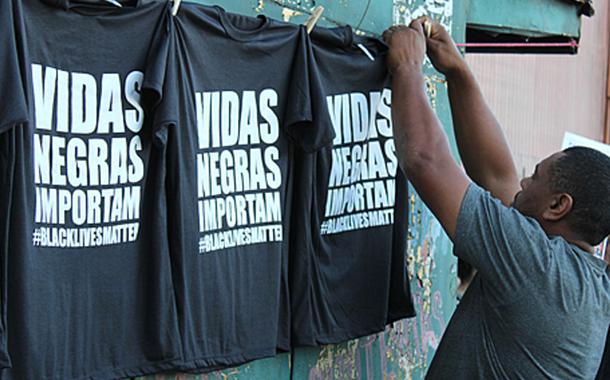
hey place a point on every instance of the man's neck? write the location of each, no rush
(582, 245)
(567, 234)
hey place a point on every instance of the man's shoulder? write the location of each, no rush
(567, 252)
(480, 206)
(506, 247)
(578, 279)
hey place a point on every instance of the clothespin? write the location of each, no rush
(115, 3)
(366, 52)
(175, 7)
(428, 28)
(313, 19)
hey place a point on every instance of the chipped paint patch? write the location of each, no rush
(432, 82)
(337, 362)
(288, 13)
(439, 10)
(260, 6)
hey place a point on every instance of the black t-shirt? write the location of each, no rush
(90, 292)
(236, 137)
(7, 168)
(351, 280)
(13, 108)
(13, 111)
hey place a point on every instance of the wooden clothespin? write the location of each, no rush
(175, 7)
(313, 19)
(428, 27)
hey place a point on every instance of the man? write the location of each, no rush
(539, 306)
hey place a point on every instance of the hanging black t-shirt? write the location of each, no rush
(351, 280)
(13, 111)
(13, 107)
(90, 294)
(235, 139)
(7, 167)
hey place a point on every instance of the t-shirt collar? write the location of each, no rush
(344, 37)
(241, 28)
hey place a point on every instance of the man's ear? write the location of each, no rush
(561, 204)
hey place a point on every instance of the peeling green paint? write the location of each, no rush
(288, 14)
(439, 10)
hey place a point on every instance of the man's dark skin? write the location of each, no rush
(423, 149)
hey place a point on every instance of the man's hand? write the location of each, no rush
(442, 51)
(407, 46)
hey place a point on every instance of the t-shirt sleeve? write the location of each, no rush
(13, 107)
(7, 177)
(507, 248)
(156, 60)
(307, 119)
(159, 82)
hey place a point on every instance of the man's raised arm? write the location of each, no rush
(481, 142)
(421, 144)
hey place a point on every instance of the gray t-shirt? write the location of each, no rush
(538, 308)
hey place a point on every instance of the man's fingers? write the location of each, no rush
(433, 29)
(387, 35)
(417, 25)
(427, 25)
(439, 32)
(431, 43)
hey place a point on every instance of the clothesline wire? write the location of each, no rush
(572, 43)
(366, 11)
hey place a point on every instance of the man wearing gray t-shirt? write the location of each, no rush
(539, 307)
